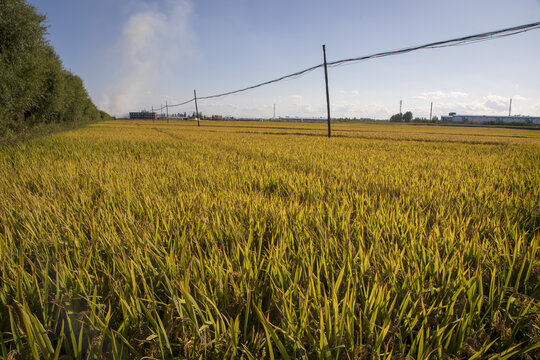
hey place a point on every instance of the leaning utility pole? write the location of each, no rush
(327, 94)
(510, 107)
(196, 108)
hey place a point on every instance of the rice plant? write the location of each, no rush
(269, 241)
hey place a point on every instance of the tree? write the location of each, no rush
(396, 118)
(407, 117)
(22, 49)
(51, 104)
(34, 87)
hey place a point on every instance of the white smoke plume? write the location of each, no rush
(152, 41)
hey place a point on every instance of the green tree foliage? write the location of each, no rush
(396, 118)
(21, 43)
(407, 117)
(34, 87)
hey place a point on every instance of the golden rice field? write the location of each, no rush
(251, 240)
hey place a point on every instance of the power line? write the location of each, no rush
(492, 35)
(294, 75)
(465, 40)
(159, 108)
(184, 103)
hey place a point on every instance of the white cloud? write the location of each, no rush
(296, 99)
(491, 104)
(495, 103)
(487, 105)
(353, 108)
(439, 94)
(349, 92)
(458, 94)
(152, 40)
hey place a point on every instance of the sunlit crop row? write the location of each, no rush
(271, 241)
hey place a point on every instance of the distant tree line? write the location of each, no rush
(408, 117)
(34, 86)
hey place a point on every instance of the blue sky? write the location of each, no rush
(136, 54)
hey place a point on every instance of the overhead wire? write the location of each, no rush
(294, 75)
(491, 35)
(161, 107)
(183, 103)
(465, 40)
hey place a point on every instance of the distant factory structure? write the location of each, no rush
(490, 119)
(143, 115)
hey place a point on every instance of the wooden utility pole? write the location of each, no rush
(196, 107)
(327, 93)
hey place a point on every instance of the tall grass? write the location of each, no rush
(267, 241)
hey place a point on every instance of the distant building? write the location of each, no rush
(301, 119)
(143, 115)
(479, 119)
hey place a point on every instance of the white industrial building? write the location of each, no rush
(479, 119)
